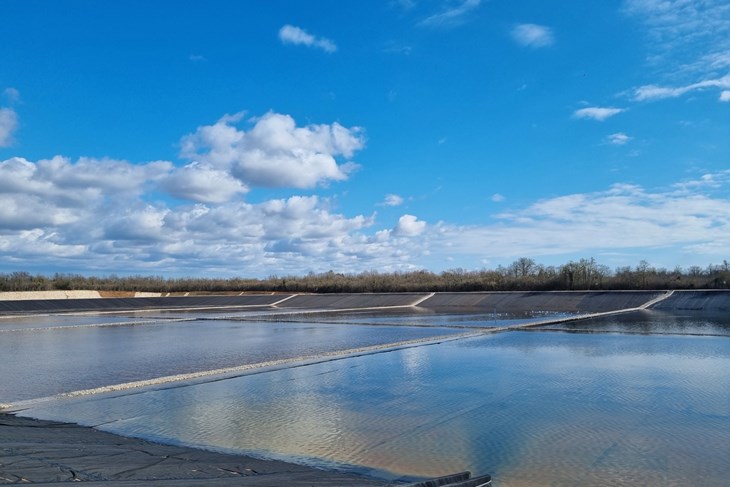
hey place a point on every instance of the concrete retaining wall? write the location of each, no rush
(35, 295)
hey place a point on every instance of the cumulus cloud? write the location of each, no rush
(452, 15)
(533, 35)
(409, 226)
(497, 198)
(392, 200)
(290, 34)
(725, 95)
(74, 185)
(202, 183)
(275, 152)
(74, 215)
(68, 201)
(619, 138)
(597, 113)
(8, 124)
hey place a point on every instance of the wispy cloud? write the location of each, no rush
(12, 95)
(497, 198)
(8, 125)
(197, 58)
(533, 35)
(290, 34)
(689, 41)
(597, 113)
(392, 200)
(451, 15)
(619, 138)
(624, 217)
(654, 92)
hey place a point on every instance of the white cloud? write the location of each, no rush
(275, 152)
(653, 92)
(688, 40)
(59, 213)
(497, 198)
(725, 95)
(625, 217)
(392, 200)
(451, 15)
(409, 226)
(619, 138)
(8, 124)
(202, 183)
(290, 34)
(533, 35)
(597, 113)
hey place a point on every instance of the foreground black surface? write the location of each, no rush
(46, 452)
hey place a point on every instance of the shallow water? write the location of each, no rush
(537, 408)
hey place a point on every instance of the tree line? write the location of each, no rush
(523, 274)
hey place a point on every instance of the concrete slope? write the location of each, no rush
(123, 304)
(555, 301)
(696, 301)
(350, 301)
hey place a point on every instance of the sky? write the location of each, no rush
(280, 137)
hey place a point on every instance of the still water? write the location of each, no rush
(43, 358)
(530, 408)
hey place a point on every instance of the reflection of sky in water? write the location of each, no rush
(14, 323)
(45, 362)
(424, 317)
(534, 408)
(653, 321)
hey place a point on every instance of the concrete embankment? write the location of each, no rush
(40, 306)
(482, 302)
(709, 300)
(552, 301)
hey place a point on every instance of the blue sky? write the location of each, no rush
(280, 137)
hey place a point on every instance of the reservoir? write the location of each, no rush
(641, 398)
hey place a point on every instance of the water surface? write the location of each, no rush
(60, 359)
(537, 408)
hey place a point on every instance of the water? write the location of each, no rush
(424, 317)
(48, 358)
(608, 407)
(655, 322)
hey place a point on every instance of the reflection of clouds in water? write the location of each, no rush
(530, 408)
(414, 360)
